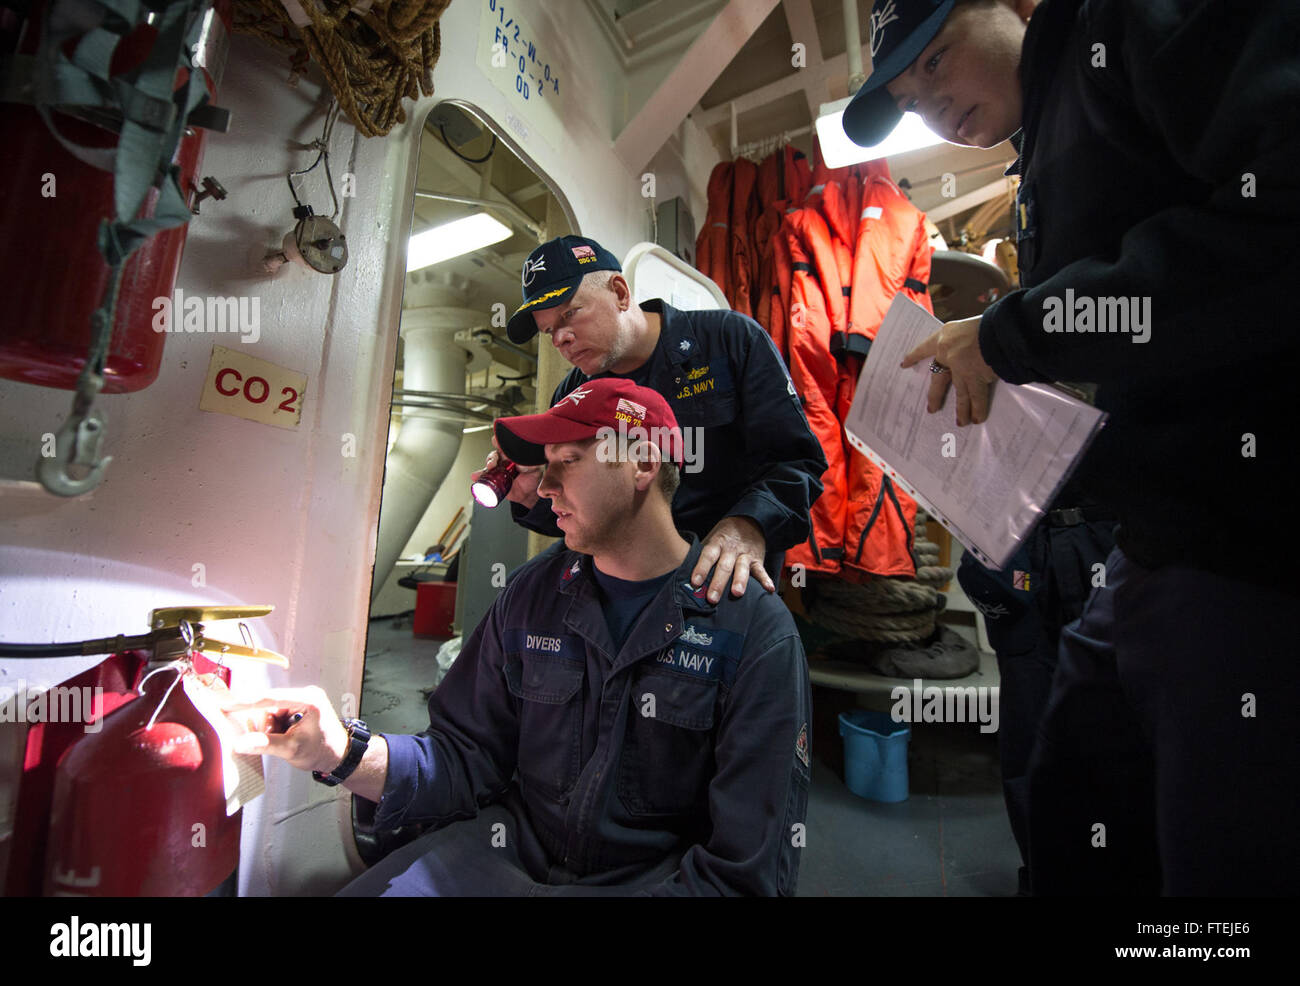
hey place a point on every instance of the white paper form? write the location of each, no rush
(988, 483)
(242, 774)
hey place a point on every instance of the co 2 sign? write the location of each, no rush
(252, 388)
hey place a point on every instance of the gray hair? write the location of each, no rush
(599, 279)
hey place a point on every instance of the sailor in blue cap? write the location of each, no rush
(1155, 217)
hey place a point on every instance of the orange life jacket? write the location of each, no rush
(880, 519)
(712, 255)
(744, 211)
(796, 175)
(779, 277)
(815, 237)
(766, 229)
(828, 268)
(892, 255)
(815, 377)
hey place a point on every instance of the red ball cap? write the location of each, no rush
(606, 403)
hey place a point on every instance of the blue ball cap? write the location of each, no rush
(900, 30)
(551, 275)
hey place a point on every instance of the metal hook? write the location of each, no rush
(76, 444)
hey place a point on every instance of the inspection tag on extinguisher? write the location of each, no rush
(252, 388)
(243, 775)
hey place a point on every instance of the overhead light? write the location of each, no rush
(440, 243)
(838, 151)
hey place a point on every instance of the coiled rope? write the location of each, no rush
(889, 610)
(372, 55)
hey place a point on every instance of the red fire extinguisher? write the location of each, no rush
(139, 808)
(54, 203)
(108, 686)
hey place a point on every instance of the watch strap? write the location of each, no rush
(358, 740)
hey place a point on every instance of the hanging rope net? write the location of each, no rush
(373, 55)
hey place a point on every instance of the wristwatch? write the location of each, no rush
(358, 740)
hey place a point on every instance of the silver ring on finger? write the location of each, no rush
(937, 367)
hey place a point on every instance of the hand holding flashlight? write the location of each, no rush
(493, 484)
(502, 479)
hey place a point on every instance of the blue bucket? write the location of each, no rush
(875, 755)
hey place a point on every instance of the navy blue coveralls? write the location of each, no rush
(676, 765)
(1026, 605)
(721, 374)
(1165, 760)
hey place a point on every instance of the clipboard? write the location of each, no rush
(989, 483)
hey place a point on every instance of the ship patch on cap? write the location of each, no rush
(531, 267)
(879, 18)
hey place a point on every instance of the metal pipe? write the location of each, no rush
(853, 45)
(429, 437)
(493, 259)
(774, 141)
(451, 408)
(470, 398)
(505, 344)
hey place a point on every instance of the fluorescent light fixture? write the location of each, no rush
(838, 151)
(433, 246)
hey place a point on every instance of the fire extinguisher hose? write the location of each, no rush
(167, 638)
(103, 645)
